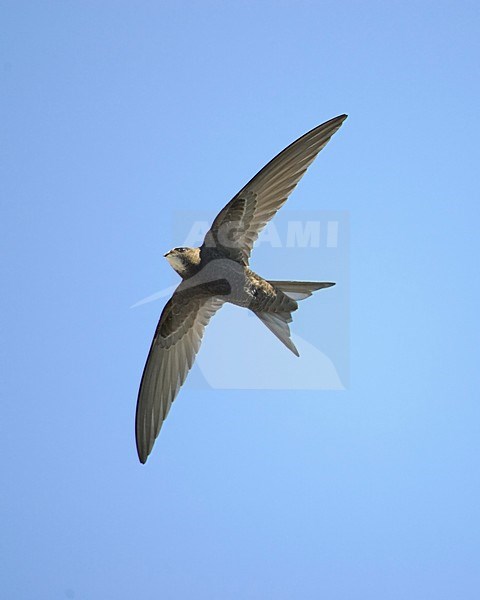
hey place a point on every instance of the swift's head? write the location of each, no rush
(183, 260)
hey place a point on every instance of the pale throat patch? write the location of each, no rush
(176, 263)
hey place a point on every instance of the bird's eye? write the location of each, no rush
(181, 249)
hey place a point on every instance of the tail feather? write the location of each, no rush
(278, 322)
(299, 290)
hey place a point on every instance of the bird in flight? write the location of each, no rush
(218, 272)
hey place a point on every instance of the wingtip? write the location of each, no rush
(142, 457)
(338, 121)
(335, 122)
(293, 348)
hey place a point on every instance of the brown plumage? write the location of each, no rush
(218, 272)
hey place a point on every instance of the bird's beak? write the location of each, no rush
(165, 255)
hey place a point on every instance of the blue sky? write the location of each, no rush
(117, 115)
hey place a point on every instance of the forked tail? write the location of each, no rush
(299, 290)
(278, 322)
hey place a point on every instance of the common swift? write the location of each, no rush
(218, 272)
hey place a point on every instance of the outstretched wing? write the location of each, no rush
(174, 347)
(237, 226)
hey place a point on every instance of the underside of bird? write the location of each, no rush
(278, 321)
(218, 272)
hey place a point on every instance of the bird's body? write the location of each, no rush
(218, 272)
(227, 279)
